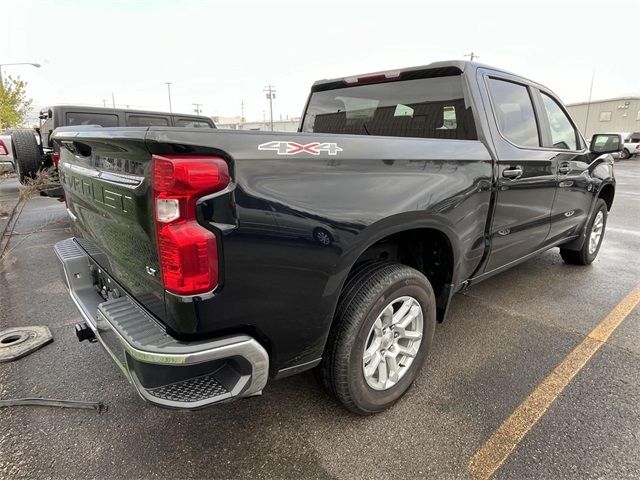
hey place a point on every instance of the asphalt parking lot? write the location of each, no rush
(501, 341)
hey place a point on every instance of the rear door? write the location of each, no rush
(525, 171)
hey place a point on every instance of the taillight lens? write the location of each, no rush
(187, 252)
(56, 154)
(3, 148)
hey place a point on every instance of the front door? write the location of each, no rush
(573, 198)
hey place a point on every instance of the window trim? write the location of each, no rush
(493, 102)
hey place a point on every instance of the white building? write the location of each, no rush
(612, 115)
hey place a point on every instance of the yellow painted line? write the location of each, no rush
(486, 461)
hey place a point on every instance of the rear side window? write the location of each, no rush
(102, 119)
(563, 135)
(424, 107)
(146, 121)
(192, 123)
(514, 112)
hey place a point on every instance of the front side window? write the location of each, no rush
(102, 119)
(514, 112)
(422, 107)
(563, 135)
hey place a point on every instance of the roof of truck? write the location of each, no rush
(446, 67)
(85, 108)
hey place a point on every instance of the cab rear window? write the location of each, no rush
(424, 108)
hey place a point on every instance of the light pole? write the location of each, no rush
(271, 94)
(37, 65)
(471, 56)
(169, 92)
(198, 110)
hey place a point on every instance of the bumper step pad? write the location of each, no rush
(192, 390)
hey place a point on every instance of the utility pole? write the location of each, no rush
(242, 111)
(271, 94)
(198, 110)
(113, 100)
(169, 92)
(586, 120)
(471, 56)
(104, 103)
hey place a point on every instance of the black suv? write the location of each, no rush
(34, 152)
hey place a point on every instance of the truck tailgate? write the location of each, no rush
(106, 177)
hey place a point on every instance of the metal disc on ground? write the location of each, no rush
(17, 342)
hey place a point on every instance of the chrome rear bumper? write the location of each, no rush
(164, 371)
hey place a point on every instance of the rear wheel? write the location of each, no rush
(382, 333)
(595, 235)
(28, 156)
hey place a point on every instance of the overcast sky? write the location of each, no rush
(221, 53)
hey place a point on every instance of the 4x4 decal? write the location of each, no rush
(292, 148)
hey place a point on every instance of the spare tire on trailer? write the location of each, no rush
(27, 153)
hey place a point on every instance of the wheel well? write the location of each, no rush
(607, 193)
(425, 249)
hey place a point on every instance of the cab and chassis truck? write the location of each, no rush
(207, 262)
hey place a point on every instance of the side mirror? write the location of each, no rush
(602, 143)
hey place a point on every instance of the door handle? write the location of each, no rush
(564, 168)
(512, 172)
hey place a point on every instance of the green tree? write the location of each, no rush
(14, 102)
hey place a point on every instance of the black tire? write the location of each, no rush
(583, 256)
(27, 154)
(624, 154)
(368, 290)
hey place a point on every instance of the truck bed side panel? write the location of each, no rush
(293, 225)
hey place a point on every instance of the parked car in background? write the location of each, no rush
(207, 262)
(631, 145)
(6, 152)
(32, 154)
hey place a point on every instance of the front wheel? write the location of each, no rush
(595, 235)
(624, 154)
(383, 331)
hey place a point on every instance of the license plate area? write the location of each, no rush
(102, 282)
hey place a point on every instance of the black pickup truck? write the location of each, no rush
(208, 261)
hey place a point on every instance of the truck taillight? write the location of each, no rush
(3, 148)
(187, 252)
(55, 157)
